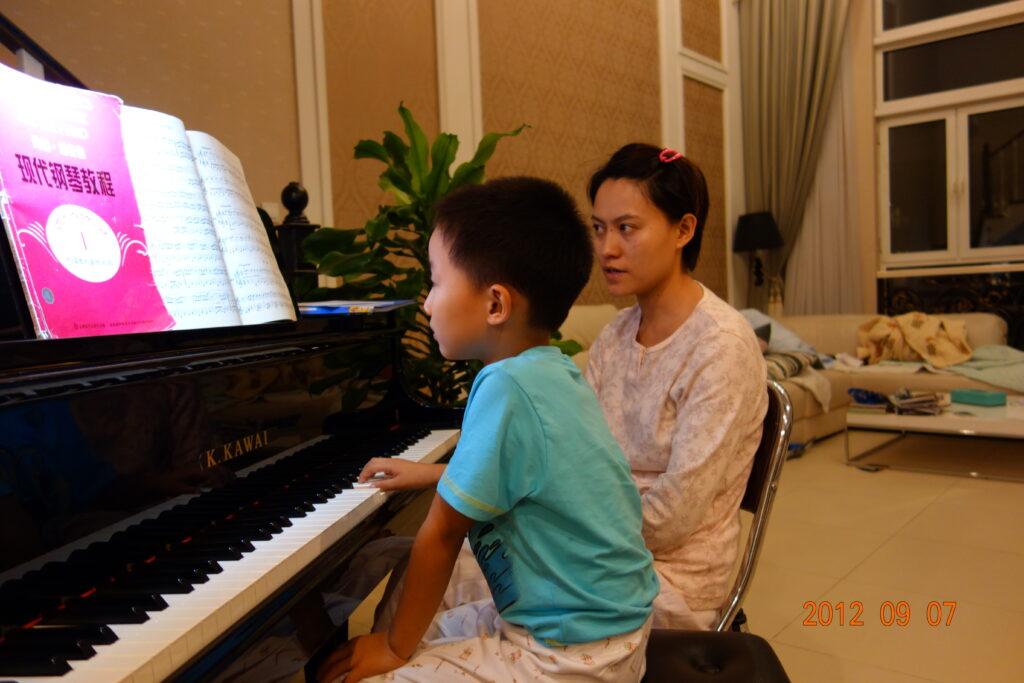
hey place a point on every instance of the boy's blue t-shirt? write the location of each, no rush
(558, 515)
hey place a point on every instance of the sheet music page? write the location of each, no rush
(188, 267)
(259, 288)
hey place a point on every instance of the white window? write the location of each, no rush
(950, 125)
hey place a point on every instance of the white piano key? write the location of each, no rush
(153, 650)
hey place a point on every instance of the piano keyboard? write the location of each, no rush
(200, 606)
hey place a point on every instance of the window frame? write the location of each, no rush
(953, 106)
(884, 219)
(962, 181)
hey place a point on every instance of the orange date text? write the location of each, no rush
(891, 613)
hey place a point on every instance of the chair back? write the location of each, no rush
(760, 492)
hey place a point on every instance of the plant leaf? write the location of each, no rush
(484, 151)
(391, 181)
(325, 240)
(442, 154)
(399, 152)
(399, 216)
(466, 174)
(376, 228)
(370, 149)
(337, 264)
(417, 148)
(569, 347)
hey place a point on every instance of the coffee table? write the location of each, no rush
(974, 430)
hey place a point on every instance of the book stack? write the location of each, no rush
(868, 402)
(909, 402)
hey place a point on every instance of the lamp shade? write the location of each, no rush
(757, 231)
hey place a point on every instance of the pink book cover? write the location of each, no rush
(70, 212)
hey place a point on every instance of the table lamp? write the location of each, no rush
(756, 231)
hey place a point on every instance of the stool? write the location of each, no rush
(712, 657)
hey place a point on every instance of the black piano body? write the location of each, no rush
(99, 434)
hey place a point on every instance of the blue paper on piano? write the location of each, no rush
(340, 307)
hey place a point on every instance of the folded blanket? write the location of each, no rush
(796, 366)
(914, 337)
(1002, 366)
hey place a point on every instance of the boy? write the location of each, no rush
(537, 480)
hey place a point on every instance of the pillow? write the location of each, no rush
(781, 339)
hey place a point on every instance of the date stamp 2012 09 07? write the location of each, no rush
(891, 613)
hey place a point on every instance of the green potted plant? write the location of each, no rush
(387, 257)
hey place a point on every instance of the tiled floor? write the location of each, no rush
(839, 534)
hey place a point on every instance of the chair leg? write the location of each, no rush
(739, 622)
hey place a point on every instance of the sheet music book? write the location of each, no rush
(121, 221)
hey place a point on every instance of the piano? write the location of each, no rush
(168, 498)
(170, 503)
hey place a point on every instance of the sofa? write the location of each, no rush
(830, 334)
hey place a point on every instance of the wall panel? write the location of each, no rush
(583, 74)
(226, 68)
(705, 145)
(702, 27)
(377, 54)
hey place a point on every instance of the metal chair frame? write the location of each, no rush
(760, 493)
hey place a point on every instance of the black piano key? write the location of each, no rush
(149, 601)
(259, 516)
(69, 649)
(98, 613)
(211, 552)
(26, 604)
(164, 585)
(189, 574)
(205, 566)
(97, 634)
(35, 584)
(33, 665)
(241, 538)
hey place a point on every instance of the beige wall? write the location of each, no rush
(225, 67)
(705, 145)
(377, 54)
(702, 27)
(583, 74)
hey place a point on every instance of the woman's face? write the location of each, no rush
(637, 245)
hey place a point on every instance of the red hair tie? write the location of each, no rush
(668, 155)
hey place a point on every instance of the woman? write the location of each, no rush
(680, 377)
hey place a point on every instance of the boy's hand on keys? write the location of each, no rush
(393, 474)
(360, 658)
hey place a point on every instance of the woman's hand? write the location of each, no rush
(398, 474)
(360, 658)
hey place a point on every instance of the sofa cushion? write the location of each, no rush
(835, 333)
(780, 338)
(585, 322)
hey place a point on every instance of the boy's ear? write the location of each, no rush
(499, 304)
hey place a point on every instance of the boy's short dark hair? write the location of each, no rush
(675, 187)
(523, 232)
